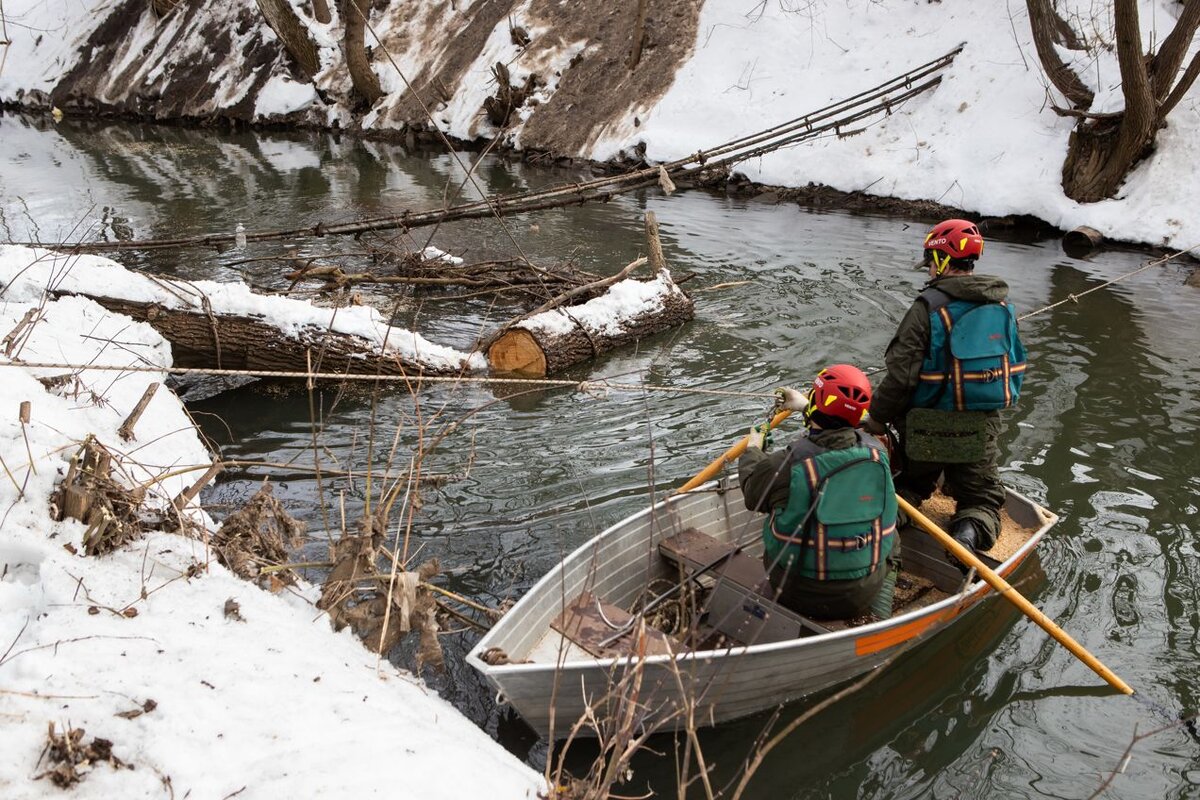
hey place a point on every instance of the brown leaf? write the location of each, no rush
(233, 611)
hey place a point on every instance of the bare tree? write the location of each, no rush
(366, 82)
(1103, 148)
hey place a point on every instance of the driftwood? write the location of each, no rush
(489, 277)
(538, 344)
(238, 342)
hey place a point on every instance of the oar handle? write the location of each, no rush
(1013, 596)
(709, 472)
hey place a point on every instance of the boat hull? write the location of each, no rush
(563, 684)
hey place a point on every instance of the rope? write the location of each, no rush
(594, 386)
(591, 386)
(1074, 298)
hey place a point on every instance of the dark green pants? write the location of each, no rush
(830, 599)
(975, 487)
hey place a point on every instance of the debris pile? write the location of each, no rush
(70, 759)
(381, 606)
(258, 536)
(112, 512)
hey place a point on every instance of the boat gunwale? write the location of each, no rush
(965, 598)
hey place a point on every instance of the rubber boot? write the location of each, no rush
(969, 536)
(881, 606)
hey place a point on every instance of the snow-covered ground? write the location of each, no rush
(273, 704)
(986, 140)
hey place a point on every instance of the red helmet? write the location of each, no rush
(953, 238)
(840, 396)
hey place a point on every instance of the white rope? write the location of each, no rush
(596, 385)
(1074, 298)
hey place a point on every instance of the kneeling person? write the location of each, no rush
(830, 540)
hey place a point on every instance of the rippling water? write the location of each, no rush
(1105, 435)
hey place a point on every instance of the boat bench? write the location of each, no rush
(739, 605)
(588, 622)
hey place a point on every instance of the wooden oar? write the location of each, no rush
(1012, 595)
(709, 472)
(964, 555)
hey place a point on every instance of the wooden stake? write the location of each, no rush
(126, 429)
(185, 497)
(639, 34)
(23, 415)
(658, 261)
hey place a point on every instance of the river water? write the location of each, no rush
(1105, 435)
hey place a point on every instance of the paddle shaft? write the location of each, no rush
(1013, 596)
(710, 472)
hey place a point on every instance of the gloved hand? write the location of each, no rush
(874, 426)
(760, 436)
(790, 399)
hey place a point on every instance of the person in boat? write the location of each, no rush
(830, 538)
(956, 360)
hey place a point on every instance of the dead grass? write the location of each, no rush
(380, 606)
(70, 759)
(257, 536)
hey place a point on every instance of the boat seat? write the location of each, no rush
(739, 605)
(589, 622)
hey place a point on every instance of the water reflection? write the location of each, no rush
(1106, 434)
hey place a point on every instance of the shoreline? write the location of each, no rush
(812, 197)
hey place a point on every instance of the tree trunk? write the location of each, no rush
(552, 341)
(366, 82)
(236, 342)
(1102, 152)
(287, 26)
(321, 13)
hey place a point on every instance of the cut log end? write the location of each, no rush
(1082, 241)
(516, 351)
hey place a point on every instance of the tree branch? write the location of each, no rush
(1167, 61)
(1181, 88)
(1045, 24)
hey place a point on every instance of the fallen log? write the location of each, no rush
(227, 326)
(556, 335)
(234, 341)
(554, 340)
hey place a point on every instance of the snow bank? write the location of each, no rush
(28, 273)
(985, 140)
(270, 705)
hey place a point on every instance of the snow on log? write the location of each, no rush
(228, 326)
(556, 339)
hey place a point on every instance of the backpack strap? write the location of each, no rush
(934, 298)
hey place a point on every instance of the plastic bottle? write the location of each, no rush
(239, 236)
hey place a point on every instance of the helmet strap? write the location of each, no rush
(940, 261)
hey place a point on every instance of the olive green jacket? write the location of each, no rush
(766, 478)
(908, 347)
